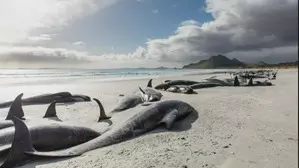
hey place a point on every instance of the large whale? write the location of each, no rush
(160, 113)
(60, 97)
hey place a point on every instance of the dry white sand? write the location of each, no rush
(236, 127)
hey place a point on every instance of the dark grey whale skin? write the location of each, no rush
(50, 135)
(45, 137)
(169, 83)
(159, 113)
(148, 94)
(60, 97)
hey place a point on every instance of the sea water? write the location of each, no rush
(11, 77)
(39, 81)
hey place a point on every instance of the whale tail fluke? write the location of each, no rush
(16, 108)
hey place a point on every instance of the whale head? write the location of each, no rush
(184, 109)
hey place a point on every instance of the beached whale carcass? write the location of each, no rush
(47, 135)
(181, 89)
(168, 83)
(60, 97)
(224, 82)
(148, 94)
(16, 110)
(159, 113)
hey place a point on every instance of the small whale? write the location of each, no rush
(148, 94)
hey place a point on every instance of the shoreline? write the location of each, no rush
(236, 126)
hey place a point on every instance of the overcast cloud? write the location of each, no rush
(250, 30)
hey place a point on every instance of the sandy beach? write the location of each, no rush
(235, 127)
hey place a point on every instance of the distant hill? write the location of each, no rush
(220, 61)
(215, 62)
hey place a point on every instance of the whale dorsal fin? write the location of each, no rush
(236, 81)
(250, 83)
(169, 118)
(21, 143)
(103, 115)
(51, 111)
(149, 84)
(16, 108)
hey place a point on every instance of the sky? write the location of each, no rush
(144, 33)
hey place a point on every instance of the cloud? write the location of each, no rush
(78, 43)
(41, 56)
(41, 37)
(190, 23)
(155, 11)
(269, 55)
(20, 19)
(251, 28)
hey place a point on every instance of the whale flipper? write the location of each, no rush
(149, 84)
(51, 111)
(21, 143)
(16, 108)
(169, 119)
